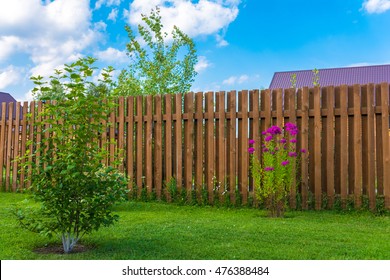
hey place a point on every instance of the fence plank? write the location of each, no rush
(121, 131)
(254, 126)
(344, 144)
(8, 160)
(243, 145)
(2, 141)
(148, 144)
(379, 141)
(317, 147)
(178, 160)
(130, 141)
(199, 148)
(386, 142)
(370, 135)
(139, 145)
(16, 147)
(23, 144)
(304, 145)
(351, 144)
(291, 101)
(330, 141)
(357, 137)
(220, 142)
(188, 142)
(158, 146)
(209, 149)
(231, 145)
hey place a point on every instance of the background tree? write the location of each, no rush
(158, 67)
(67, 176)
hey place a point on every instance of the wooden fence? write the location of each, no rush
(201, 140)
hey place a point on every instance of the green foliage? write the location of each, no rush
(158, 67)
(316, 77)
(273, 175)
(67, 177)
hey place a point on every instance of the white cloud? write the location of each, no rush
(376, 6)
(107, 3)
(205, 17)
(112, 55)
(50, 33)
(9, 76)
(232, 80)
(202, 64)
(8, 45)
(113, 15)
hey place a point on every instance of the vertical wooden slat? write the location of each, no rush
(357, 137)
(386, 142)
(148, 144)
(330, 143)
(379, 141)
(188, 142)
(243, 145)
(324, 140)
(139, 145)
(168, 156)
(199, 144)
(16, 145)
(311, 143)
(2, 141)
(292, 119)
(23, 144)
(31, 122)
(158, 146)
(231, 147)
(130, 141)
(178, 142)
(8, 159)
(279, 108)
(209, 155)
(103, 139)
(112, 132)
(254, 132)
(344, 144)
(351, 144)
(337, 145)
(371, 146)
(317, 148)
(221, 157)
(304, 145)
(121, 131)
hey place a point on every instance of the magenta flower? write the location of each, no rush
(283, 140)
(292, 154)
(268, 138)
(291, 128)
(284, 163)
(251, 141)
(269, 169)
(293, 140)
(303, 151)
(274, 130)
(251, 150)
(265, 150)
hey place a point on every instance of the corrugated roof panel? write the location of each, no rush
(334, 76)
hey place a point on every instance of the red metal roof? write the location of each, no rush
(334, 76)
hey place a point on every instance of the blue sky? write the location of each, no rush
(240, 43)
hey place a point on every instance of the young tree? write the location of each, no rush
(158, 67)
(67, 176)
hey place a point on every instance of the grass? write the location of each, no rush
(167, 231)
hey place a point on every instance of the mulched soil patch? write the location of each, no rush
(58, 249)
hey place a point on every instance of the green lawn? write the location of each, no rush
(163, 231)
